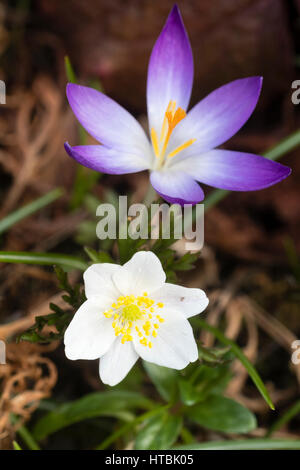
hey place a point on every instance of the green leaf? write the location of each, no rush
(44, 259)
(164, 379)
(222, 414)
(209, 380)
(212, 356)
(185, 263)
(29, 209)
(188, 394)
(202, 382)
(245, 444)
(241, 356)
(159, 432)
(113, 403)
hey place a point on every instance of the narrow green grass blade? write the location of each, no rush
(241, 356)
(46, 259)
(29, 209)
(25, 435)
(28, 439)
(286, 145)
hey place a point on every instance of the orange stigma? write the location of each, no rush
(172, 117)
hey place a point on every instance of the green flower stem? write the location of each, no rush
(29, 209)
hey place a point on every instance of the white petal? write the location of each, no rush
(183, 299)
(90, 334)
(174, 347)
(142, 273)
(98, 281)
(117, 362)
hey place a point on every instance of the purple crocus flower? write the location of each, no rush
(182, 150)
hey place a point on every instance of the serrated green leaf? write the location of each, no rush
(60, 318)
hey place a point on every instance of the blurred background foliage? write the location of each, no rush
(249, 265)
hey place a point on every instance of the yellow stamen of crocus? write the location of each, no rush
(181, 147)
(171, 118)
(155, 142)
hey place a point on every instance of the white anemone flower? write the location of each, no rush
(131, 312)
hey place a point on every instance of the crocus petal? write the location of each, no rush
(174, 346)
(217, 117)
(186, 300)
(170, 70)
(235, 171)
(108, 160)
(98, 281)
(106, 120)
(117, 362)
(176, 187)
(142, 273)
(90, 333)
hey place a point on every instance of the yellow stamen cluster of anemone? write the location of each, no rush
(172, 117)
(135, 312)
